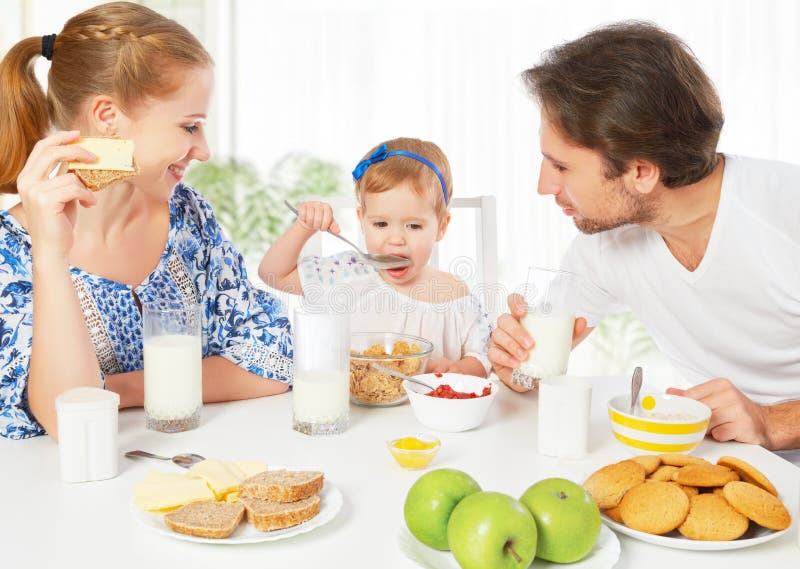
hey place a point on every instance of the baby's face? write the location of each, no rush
(400, 222)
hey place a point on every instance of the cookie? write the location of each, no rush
(654, 507)
(757, 504)
(712, 518)
(614, 514)
(704, 475)
(650, 462)
(688, 490)
(664, 473)
(677, 459)
(609, 484)
(747, 473)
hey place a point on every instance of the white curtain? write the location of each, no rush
(336, 78)
(333, 79)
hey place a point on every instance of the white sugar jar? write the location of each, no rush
(87, 434)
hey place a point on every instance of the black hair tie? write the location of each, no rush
(47, 46)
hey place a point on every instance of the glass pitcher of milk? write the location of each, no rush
(173, 366)
(551, 300)
(321, 384)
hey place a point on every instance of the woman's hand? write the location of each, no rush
(50, 204)
(317, 216)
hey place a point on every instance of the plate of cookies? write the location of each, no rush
(686, 502)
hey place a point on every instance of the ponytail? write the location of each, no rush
(24, 115)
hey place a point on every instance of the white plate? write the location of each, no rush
(330, 504)
(604, 555)
(755, 535)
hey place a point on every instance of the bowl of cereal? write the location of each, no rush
(398, 352)
(660, 423)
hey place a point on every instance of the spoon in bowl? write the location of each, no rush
(184, 460)
(399, 375)
(377, 260)
(636, 385)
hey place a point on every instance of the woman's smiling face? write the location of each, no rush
(169, 133)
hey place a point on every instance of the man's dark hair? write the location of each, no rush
(629, 91)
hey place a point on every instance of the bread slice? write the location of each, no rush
(215, 520)
(114, 161)
(96, 180)
(267, 515)
(282, 485)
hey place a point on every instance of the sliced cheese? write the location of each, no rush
(158, 494)
(251, 467)
(112, 154)
(221, 476)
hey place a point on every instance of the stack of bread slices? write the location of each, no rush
(272, 500)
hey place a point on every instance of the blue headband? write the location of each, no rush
(382, 154)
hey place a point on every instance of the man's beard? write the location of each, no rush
(633, 208)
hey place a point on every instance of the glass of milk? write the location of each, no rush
(321, 385)
(173, 374)
(551, 299)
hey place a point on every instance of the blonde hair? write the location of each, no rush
(120, 49)
(396, 170)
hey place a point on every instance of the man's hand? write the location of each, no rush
(511, 343)
(734, 417)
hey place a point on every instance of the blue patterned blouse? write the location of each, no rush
(241, 323)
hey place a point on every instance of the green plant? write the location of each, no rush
(250, 209)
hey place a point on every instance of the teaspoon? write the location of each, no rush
(377, 260)
(184, 460)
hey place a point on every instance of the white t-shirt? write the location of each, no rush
(737, 315)
(457, 329)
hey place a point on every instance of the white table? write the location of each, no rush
(49, 523)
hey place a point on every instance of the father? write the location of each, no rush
(704, 247)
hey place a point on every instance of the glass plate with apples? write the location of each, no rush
(604, 555)
(451, 521)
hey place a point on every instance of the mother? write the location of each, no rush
(91, 260)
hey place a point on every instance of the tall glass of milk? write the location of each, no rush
(321, 385)
(173, 375)
(551, 300)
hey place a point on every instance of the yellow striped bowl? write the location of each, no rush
(662, 423)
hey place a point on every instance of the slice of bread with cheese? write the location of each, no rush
(114, 161)
(267, 515)
(282, 485)
(160, 492)
(215, 520)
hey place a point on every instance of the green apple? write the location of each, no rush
(489, 529)
(431, 500)
(567, 518)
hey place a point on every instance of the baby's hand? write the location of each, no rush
(317, 216)
(439, 365)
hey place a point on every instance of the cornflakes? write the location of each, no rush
(368, 385)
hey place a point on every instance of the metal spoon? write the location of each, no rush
(636, 385)
(184, 460)
(399, 375)
(377, 260)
